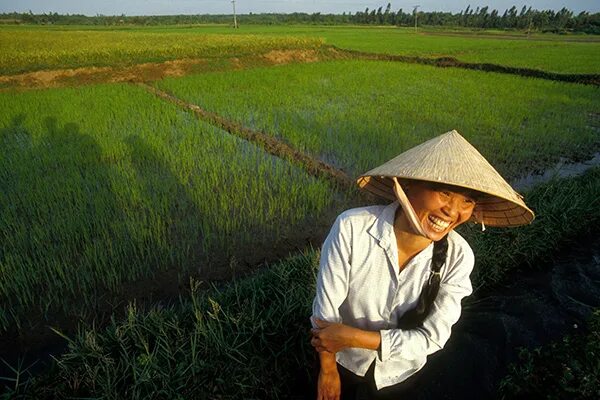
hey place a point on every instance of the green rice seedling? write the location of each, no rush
(108, 185)
(358, 114)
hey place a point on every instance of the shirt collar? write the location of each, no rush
(383, 231)
(383, 227)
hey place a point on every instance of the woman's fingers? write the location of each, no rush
(321, 323)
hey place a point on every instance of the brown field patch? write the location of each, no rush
(290, 56)
(153, 71)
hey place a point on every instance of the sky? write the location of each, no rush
(170, 7)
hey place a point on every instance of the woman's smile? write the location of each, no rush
(439, 208)
(438, 224)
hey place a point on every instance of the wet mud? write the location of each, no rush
(565, 168)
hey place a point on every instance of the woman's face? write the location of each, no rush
(439, 208)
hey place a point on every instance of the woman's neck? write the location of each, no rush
(409, 243)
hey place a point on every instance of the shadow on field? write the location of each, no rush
(173, 209)
(59, 201)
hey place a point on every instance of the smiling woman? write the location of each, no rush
(391, 278)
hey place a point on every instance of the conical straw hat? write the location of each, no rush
(451, 160)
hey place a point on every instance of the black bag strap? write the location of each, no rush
(415, 317)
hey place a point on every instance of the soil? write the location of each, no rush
(89, 75)
(148, 72)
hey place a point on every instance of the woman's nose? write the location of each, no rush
(451, 208)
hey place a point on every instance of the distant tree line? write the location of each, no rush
(484, 17)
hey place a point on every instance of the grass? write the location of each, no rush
(250, 338)
(35, 49)
(566, 210)
(106, 185)
(359, 114)
(569, 368)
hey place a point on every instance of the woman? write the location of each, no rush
(391, 278)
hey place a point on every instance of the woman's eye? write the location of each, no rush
(446, 193)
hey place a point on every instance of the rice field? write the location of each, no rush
(37, 48)
(31, 50)
(105, 185)
(546, 52)
(359, 114)
(107, 189)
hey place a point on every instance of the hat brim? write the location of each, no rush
(495, 209)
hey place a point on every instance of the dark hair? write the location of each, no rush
(415, 317)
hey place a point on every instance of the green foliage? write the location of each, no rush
(480, 18)
(564, 211)
(359, 114)
(248, 340)
(567, 369)
(28, 48)
(107, 185)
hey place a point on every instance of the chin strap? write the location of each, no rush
(408, 209)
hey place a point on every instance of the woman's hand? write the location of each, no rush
(332, 337)
(335, 337)
(329, 386)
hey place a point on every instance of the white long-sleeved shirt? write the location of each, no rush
(359, 284)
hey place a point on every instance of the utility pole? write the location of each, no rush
(235, 25)
(415, 12)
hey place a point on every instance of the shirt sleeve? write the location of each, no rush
(435, 332)
(333, 276)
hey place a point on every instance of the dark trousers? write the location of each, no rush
(356, 387)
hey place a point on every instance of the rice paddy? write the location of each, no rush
(24, 51)
(93, 200)
(110, 194)
(359, 114)
(552, 53)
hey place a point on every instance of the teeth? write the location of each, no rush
(438, 224)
